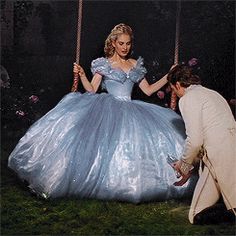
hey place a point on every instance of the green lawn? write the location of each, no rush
(23, 213)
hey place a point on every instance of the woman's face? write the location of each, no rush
(122, 45)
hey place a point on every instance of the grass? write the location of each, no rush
(23, 213)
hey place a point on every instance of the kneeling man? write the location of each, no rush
(210, 126)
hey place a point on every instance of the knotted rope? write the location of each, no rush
(76, 78)
(173, 99)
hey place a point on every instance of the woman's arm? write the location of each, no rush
(149, 89)
(88, 86)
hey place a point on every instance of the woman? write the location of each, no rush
(105, 146)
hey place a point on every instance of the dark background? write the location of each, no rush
(39, 44)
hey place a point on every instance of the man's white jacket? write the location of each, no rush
(209, 122)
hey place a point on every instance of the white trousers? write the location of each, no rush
(205, 194)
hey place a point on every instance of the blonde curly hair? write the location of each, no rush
(115, 32)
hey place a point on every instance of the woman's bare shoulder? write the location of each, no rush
(133, 61)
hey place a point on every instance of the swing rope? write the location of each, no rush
(173, 99)
(76, 78)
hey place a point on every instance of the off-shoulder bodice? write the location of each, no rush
(116, 81)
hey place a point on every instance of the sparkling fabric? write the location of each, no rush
(103, 146)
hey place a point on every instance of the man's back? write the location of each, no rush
(215, 111)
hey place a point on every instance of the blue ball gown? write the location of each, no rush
(103, 146)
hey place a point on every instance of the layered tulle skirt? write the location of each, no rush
(104, 147)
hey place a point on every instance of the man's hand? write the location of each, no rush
(176, 165)
(183, 180)
(185, 176)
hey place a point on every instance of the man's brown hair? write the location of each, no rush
(184, 75)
